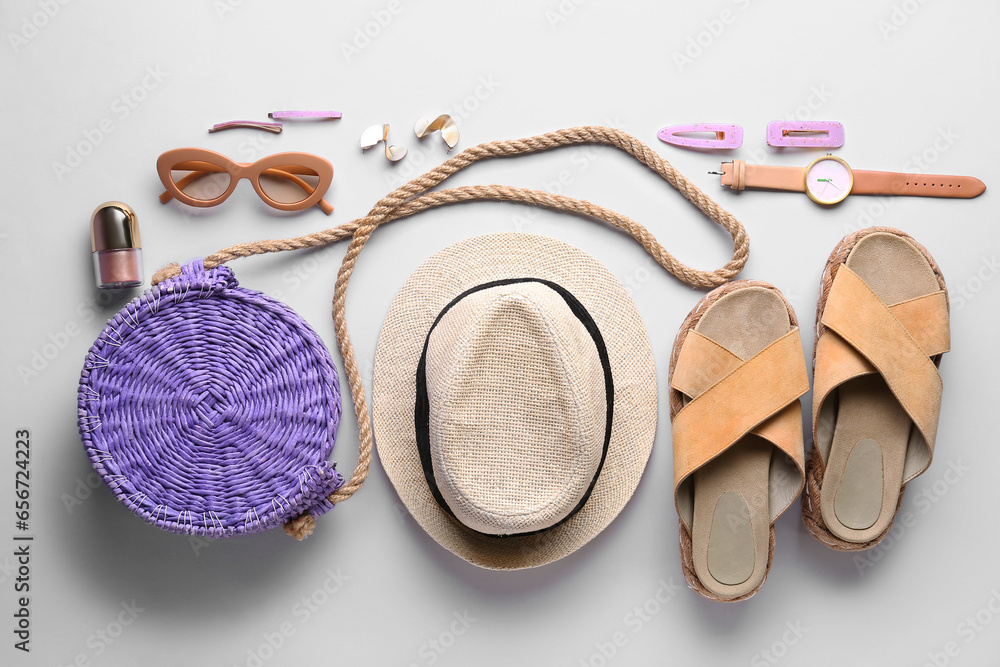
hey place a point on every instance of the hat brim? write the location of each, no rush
(428, 290)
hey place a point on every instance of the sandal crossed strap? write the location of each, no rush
(737, 432)
(877, 395)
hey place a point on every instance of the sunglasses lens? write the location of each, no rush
(289, 183)
(201, 180)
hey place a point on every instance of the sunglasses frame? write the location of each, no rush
(251, 171)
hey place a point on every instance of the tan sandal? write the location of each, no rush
(736, 375)
(881, 328)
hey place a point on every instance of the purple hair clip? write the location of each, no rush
(805, 134)
(304, 114)
(727, 135)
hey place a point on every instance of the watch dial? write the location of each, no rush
(829, 180)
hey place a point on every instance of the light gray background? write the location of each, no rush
(913, 82)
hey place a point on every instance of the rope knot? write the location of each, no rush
(301, 526)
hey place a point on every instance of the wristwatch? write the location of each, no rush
(828, 180)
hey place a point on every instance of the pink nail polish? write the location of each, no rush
(114, 236)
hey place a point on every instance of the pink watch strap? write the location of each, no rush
(916, 185)
(739, 175)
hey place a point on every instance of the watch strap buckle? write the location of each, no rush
(733, 174)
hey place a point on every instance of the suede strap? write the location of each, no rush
(702, 362)
(757, 396)
(866, 336)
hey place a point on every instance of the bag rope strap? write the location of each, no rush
(414, 197)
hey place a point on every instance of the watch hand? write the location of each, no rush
(827, 180)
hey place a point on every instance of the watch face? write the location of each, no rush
(828, 180)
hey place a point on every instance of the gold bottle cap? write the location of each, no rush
(114, 226)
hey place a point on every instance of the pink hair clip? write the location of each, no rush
(727, 136)
(304, 114)
(805, 134)
(253, 124)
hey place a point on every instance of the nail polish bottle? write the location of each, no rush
(114, 236)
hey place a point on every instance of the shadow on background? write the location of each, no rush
(121, 557)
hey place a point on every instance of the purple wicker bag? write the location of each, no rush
(211, 409)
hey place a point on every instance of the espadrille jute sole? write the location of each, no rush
(727, 553)
(864, 470)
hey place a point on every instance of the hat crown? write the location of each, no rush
(518, 410)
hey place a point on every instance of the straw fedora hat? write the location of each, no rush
(514, 398)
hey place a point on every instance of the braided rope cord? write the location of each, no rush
(414, 197)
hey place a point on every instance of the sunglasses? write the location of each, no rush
(285, 181)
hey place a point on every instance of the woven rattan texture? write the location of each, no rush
(211, 409)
